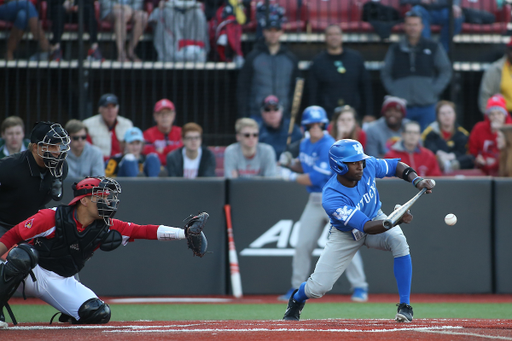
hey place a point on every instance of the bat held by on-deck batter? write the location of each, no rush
(397, 214)
(297, 96)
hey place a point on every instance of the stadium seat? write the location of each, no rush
(296, 15)
(218, 151)
(503, 17)
(346, 13)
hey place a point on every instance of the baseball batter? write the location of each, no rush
(63, 238)
(352, 202)
(312, 170)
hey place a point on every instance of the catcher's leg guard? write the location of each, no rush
(94, 311)
(20, 262)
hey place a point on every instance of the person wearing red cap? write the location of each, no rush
(384, 132)
(164, 137)
(497, 79)
(62, 239)
(486, 140)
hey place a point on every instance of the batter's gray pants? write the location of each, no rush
(312, 223)
(340, 249)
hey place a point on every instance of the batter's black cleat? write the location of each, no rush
(404, 313)
(294, 309)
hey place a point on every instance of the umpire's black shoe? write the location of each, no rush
(404, 313)
(294, 309)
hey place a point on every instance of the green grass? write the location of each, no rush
(169, 312)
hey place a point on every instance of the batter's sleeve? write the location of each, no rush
(346, 217)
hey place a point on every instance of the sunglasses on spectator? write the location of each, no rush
(247, 135)
(79, 137)
(269, 109)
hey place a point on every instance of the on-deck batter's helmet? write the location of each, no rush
(53, 142)
(345, 150)
(104, 192)
(314, 114)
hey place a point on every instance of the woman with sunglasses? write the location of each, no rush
(84, 159)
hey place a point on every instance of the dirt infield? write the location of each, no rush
(421, 329)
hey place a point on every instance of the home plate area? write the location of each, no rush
(346, 329)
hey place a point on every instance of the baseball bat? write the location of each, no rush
(297, 96)
(397, 214)
(236, 280)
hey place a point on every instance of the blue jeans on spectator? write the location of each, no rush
(423, 115)
(129, 166)
(439, 17)
(18, 12)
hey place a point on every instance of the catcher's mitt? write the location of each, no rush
(196, 240)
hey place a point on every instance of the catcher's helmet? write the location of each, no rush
(53, 145)
(104, 192)
(314, 114)
(345, 150)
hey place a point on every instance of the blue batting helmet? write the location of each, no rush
(345, 150)
(314, 114)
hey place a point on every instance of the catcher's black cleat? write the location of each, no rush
(404, 313)
(294, 309)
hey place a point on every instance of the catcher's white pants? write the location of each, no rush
(312, 223)
(65, 294)
(340, 249)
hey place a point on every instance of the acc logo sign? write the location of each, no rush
(281, 239)
(29, 223)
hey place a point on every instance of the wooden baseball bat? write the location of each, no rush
(297, 96)
(236, 280)
(397, 214)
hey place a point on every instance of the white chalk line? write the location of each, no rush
(466, 334)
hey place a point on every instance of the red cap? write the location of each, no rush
(496, 102)
(164, 104)
(394, 102)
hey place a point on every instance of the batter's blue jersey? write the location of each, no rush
(350, 208)
(314, 158)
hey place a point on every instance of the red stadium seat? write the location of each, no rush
(218, 151)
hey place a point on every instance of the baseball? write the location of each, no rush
(450, 219)
(434, 183)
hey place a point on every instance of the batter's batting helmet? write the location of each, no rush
(104, 192)
(314, 114)
(345, 150)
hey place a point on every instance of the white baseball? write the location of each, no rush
(450, 219)
(434, 183)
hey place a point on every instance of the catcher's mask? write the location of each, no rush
(104, 192)
(53, 145)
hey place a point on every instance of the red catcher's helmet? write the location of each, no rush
(83, 189)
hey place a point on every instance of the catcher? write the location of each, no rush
(60, 241)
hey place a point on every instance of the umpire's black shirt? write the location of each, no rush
(25, 188)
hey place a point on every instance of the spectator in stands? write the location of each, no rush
(409, 150)
(120, 12)
(437, 12)
(338, 77)
(180, 31)
(269, 69)
(164, 137)
(22, 14)
(344, 125)
(486, 140)
(13, 136)
(106, 130)
(384, 132)
(58, 12)
(192, 160)
(497, 79)
(448, 140)
(418, 70)
(274, 127)
(248, 158)
(132, 162)
(83, 159)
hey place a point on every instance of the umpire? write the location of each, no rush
(30, 179)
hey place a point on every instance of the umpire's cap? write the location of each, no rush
(42, 128)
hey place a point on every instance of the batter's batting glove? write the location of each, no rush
(196, 240)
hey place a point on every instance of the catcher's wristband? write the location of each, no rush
(170, 233)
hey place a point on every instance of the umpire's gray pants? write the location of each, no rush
(340, 249)
(312, 223)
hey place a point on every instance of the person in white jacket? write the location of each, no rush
(107, 129)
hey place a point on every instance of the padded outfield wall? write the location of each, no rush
(265, 214)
